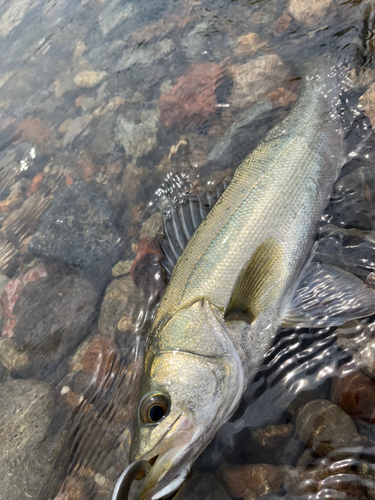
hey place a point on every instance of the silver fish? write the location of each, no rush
(244, 273)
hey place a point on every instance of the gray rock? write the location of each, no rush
(196, 41)
(138, 139)
(78, 230)
(122, 268)
(152, 227)
(202, 486)
(26, 407)
(53, 315)
(115, 13)
(145, 56)
(120, 302)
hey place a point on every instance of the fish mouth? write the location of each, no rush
(166, 475)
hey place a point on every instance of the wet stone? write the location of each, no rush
(354, 392)
(88, 79)
(122, 268)
(52, 316)
(358, 338)
(78, 230)
(26, 408)
(323, 426)
(250, 481)
(254, 80)
(121, 300)
(203, 487)
(152, 227)
(309, 12)
(248, 45)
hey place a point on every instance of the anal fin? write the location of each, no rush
(256, 283)
(328, 296)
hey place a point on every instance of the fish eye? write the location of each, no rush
(153, 409)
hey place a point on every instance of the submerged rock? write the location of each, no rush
(323, 426)
(88, 79)
(254, 80)
(354, 392)
(248, 45)
(309, 12)
(193, 98)
(78, 230)
(251, 481)
(26, 408)
(138, 138)
(52, 316)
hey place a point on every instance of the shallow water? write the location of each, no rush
(108, 109)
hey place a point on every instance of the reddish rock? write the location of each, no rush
(354, 392)
(245, 480)
(146, 269)
(281, 24)
(35, 129)
(282, 97)
(11, 293)
(193, 98)
(35, 183)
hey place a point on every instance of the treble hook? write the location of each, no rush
(126, 479)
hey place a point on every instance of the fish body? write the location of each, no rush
(233, 286)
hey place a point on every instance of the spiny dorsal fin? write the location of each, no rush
(256, 282)
(181, 222)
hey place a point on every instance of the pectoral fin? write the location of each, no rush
(256, 282)
(328, 296)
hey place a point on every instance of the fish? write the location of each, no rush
(245, 271)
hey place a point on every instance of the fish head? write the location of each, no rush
(189, 388)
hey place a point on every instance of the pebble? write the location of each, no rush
(323, 426)
(122, 268)
(248, 45)
(193, 98)
(146, 270)
(354, 392)
(282, 97)
(78, 230)
(88, 79)
(273, 435)
(310, 12)
(246, 480)
(367, 101)
(152, 227)
(139, 138)
(13, 15)
(121, 299)
(254, 80)
(26, 409)
(11, 357)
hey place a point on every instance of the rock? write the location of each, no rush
(282, 97)
(309, 12)
(26, 408)
(367, 101)
(78, 230)
(145, 56)
(52, 316)
(113, 14)
(76, 127)
(202, 486)
(12, 358)
(323, 426)
(146, 270)
(281, 24)
(273, 435)
(196, 41)
(11, 293)
(254, 80)
(139, 138)
(122, 268)
(122, 299)
(246, 480)
(354, 392)
(14, 15)
(88, 79)
(179, 155)
(358, 338)
(193, 98)
(248, 45)
(152, 227)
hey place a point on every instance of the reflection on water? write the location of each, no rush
(109, 109)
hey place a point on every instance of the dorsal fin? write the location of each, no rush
(256, 282)
(181, 222)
